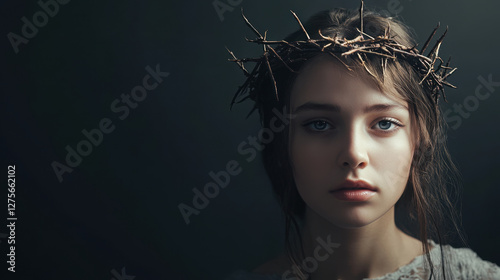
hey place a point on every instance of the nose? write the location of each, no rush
(354, 148)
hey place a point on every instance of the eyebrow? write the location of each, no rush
(311, 106)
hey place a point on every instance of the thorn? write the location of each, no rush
(250, 25)
(361, 17)
(301, 26)
(430, 38)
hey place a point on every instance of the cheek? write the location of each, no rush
(312, 162)
(393, 166)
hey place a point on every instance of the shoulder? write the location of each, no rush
(466, 264)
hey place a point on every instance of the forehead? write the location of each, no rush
(325, 79)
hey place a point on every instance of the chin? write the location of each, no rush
(351, 223)
(350, 219)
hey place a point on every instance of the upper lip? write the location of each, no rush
(357, 184)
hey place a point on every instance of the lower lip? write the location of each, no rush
(354, 195)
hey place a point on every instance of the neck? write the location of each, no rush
(354, 253)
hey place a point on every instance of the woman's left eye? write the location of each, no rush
(386, 124)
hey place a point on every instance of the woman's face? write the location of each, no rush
(344, 128)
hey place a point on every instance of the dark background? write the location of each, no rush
(119, 207)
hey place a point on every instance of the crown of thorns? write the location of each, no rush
(432, 77)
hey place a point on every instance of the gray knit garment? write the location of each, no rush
(463, 264)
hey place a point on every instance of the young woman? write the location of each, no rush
(360, 168)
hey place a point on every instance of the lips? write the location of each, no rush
(354, 185)
(354, 191)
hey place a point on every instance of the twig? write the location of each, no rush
(250, 25)
(301, 26)
(361, 17)
(430, 38)
(240, 63)
(288, 53)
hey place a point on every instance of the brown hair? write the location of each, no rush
(432, 189)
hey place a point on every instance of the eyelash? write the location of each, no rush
(390, 120)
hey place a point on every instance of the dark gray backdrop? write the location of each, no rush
(116, 213)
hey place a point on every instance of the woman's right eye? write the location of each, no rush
(318, 126)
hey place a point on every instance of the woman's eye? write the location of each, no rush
(386, 124)
(318, 125)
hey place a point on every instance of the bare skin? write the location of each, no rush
(361, 253)
(329, 146)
